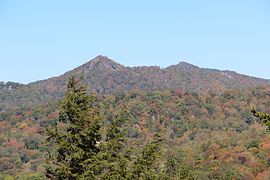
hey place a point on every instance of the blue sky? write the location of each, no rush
(40, 39)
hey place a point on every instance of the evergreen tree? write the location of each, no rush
(77, 142)
(144, 167)
(176, 167)
(78, 150)
(111, 161)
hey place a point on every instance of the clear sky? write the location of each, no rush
(44, 38)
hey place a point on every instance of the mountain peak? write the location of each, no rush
(101, 58)
(184, 66)
(102, 62)
(106, 76)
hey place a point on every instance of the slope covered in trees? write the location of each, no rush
(204, 135)
(202, 116)
(105, 76)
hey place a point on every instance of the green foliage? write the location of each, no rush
(78, 142)
(6, 177)
(80, 151)
(111, 160)
(32, 176)
(177, 168)
(264, 117)
(209, 131)
(253, 144)
(144, 167)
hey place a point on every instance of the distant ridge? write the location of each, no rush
(104, 75)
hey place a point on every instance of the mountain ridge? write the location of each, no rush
(102, 68)
(106, 62)
(104, 76)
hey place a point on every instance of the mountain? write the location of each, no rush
(204, 114)
(106, 76)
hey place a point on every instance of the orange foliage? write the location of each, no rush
(31, 153)
(4, 125)
(31, 130)
(266, 143)
(14, 144)
(263, 175)
(54, 115)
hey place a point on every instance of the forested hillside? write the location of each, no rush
(203, 116)
(105, 76)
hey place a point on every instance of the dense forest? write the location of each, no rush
(163, 125)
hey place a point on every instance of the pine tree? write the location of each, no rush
(78, 141)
